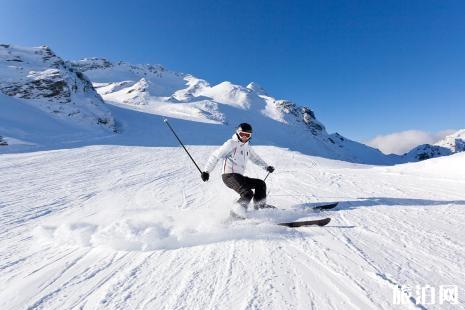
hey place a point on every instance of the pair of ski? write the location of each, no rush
(319, 222)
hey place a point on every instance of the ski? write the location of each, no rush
(321, 222)
(326, 206)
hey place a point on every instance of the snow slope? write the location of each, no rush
(26, 127)
(129, 227)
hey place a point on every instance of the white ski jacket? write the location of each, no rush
(235, 155)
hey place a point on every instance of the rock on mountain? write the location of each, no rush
(451, 144)
(3, 142)
(426, 151)
(42, 79)
(156, 90)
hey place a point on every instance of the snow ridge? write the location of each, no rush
(156, 90)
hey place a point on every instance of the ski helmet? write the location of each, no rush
(245, 127)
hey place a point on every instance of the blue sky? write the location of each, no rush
(366, 68)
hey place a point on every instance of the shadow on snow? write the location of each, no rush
(381, 201)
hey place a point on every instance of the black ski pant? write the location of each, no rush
(243, 186)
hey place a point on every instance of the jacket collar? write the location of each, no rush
(236, 138)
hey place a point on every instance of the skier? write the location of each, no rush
(235, 152)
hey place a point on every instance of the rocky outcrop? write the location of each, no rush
(3, 142)
(455, 142)
(301, 115)
(426, 151)
(43, 79)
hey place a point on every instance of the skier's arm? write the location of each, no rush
(257, 160)
(221, 152)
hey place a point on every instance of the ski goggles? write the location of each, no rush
(244, 134)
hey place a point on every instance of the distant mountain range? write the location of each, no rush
(154, 89)
(84, 93)
(451, 144)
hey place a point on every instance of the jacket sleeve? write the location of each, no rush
(257, 160)
(219, 153)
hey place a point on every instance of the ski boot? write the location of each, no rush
(238, 212)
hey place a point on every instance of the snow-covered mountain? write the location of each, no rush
(71, 92)
(156, 90)
(43, 80)
(454, 142)
(451, 144)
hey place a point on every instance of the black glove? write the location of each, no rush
(270, 169)
(205, 176)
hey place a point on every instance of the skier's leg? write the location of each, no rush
(240, 185)
(259, 197)
(246, 197)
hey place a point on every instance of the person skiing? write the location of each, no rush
(235, 153)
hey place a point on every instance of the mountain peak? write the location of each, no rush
(257, 88)
(455, 142)
(451, 144)
(93, 63)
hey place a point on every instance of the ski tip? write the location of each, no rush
(165, 120)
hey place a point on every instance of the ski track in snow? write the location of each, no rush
(108, 227)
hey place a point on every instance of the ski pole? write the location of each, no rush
(172, 130)
(268, 192)
(266, 176)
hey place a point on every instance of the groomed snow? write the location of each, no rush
(128, 227)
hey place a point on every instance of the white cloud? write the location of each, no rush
(404, 141)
